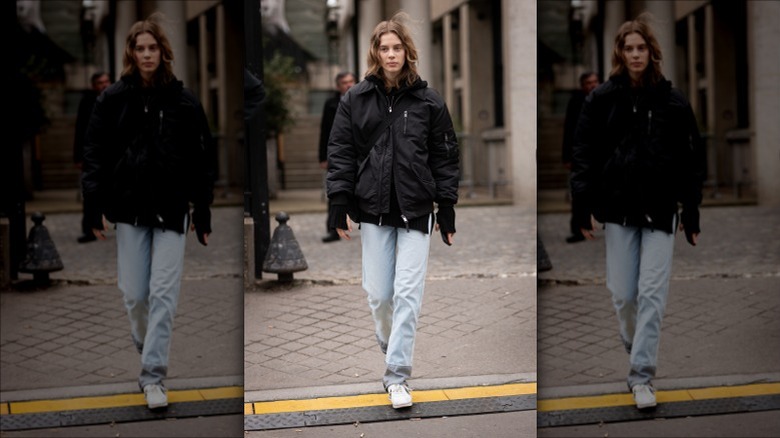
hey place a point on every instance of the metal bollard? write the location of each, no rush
(42, 256)
(284, 256)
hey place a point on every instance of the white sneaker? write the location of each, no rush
(156, 396)
(399, 396)
(644, 396)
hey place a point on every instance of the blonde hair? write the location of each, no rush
(408, 72)
(639, 26)
(151, 25)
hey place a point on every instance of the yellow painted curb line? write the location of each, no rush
(116, 401)
(612, 400)
(366, 400)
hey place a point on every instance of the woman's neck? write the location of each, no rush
(147, 80)
(636, 81)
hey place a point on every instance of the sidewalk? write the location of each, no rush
(72, 339)
(721, 325)
(477, 325)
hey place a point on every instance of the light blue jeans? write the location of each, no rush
(639, 265)
(149, 267)
(394, 265)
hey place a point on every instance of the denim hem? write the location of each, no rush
(396, 374)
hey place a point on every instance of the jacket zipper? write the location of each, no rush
(405, 114)
(649, 120)
(390, 101)
(161, 121)
(161, 221)
(406, 222)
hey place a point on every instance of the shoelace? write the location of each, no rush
(399, 390)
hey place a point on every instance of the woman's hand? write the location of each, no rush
(447, 238)
(100, 233)
(343, 233)
(202, 238)
(692, 238)
(589, 234)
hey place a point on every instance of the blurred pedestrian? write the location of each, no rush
(344, 81)
(392, 154)
(99, 82)
(149, 154)
(588, 82)
(637, 155)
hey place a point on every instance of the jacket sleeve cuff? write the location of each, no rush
(690, 219)
(338, 216)
(445, 217)
(93, 215)
(201, 218)
(339, 199)
(581, 212)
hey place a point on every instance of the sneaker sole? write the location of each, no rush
(158, 406)
(405, 405)
(646, 406)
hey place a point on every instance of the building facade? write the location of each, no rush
(480, 56)
(716, 52)
(207, 40)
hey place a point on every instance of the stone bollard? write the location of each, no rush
(284, 256)
(42, 256)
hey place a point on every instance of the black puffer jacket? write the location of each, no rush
(149, 153)
(637, 155)
(414, 162)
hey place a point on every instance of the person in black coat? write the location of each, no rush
(100, 81)
(392, 155)
(588, 82)
(344, 81)
(637, 158)
(149, 156)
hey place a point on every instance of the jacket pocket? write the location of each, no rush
(425, 178)
(366, 182)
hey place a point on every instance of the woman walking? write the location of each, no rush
(149, 155)
(637, 157)
(392, 154)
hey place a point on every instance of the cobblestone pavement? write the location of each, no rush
(479, 294)
(95, 262)
(494, 241)
(734, 242)
(723, 312)
(76, 332)
(79, 335)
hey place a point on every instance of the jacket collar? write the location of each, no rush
(417, 89)
(133, 81)
(624, 82)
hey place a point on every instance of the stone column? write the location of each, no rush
(519, 28)
(125, 17)
(664, 27)
(614, 16)
(175, 26)
(449, 91)
(369, 15)
(764, 70)
(464, 32)
(422, 32)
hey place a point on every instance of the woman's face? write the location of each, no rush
(147, 55)
(635, 55)
(392, 54)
